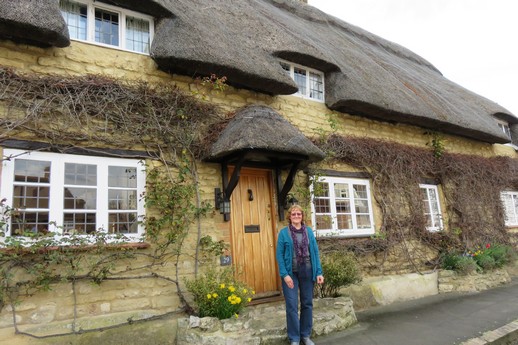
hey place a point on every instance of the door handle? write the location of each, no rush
(250, 195)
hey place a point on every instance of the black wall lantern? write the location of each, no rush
(221, 202)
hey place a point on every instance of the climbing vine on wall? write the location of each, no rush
(471, 186)
(77, 112)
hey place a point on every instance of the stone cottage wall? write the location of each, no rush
(115, 301)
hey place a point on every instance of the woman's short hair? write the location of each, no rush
(296, 207)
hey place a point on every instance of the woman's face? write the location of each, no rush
(296, 216)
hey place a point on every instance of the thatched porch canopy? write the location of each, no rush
(243, 40)
(264, 136)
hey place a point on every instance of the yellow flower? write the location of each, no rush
(209, 296)
(214, 295)
(249, 299)
(253, 292)
(238, 300)
(231, 289)
(236, 316)
(245, 290)
(221, 286)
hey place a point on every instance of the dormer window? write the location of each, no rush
(108, 25)
(504, 126)
(309, 81)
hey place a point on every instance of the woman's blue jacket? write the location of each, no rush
(285, 253)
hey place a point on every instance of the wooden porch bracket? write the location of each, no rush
(282, 190)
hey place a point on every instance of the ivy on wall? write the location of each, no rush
(471, 186)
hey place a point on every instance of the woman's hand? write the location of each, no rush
(320, 279)
(289, 281)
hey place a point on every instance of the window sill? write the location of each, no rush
(86, 248)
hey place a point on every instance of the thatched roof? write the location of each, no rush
(365, 75)
(261, 129)
(154, 8)
(34, 21)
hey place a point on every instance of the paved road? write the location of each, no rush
(445, 319)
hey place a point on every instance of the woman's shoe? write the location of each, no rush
(307, 341)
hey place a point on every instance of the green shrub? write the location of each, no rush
(219, 294)
(502, 254)
(340, 270)
(466, 265)
(493, 256)
(485, 261)
(463, 264)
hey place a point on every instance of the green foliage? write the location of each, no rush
(210, 248)
(459, 263)
(491, 257)
(485, 261)
(219, 294)
(173, 197)
(502, 254)
(340, 270)
(32, 264)
(437, 144)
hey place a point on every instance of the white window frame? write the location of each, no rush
(56, 204)
(335, 231)
(504, 127)
(436, 226)
(123, 13)
(511, 211)
(307, 94)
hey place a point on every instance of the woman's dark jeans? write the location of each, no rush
(302, 281)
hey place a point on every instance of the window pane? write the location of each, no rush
(31, 171)
(80, 198)
(106, 27)
(322, 205)
(431, 207)
(75, 17)
(79, 223)
(30, 197)
(122, 199)
(363, 221)
(361, 206)
(316, 86)
(137, 34)
(123, 223)
(323, 222)
(345, 221)
(341, 190)
(321, 189)
(360, 191)
(300, 80)
(343, 206)
(124, 177)
(33, 222)
(81, 174)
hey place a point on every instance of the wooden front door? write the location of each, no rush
(253, 231)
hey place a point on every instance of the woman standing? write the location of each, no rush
(299, 266)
